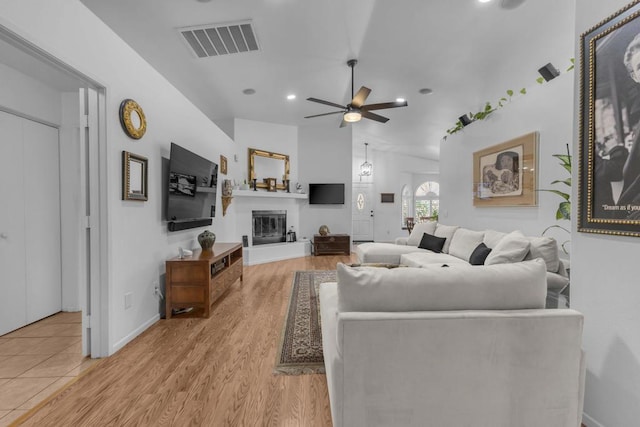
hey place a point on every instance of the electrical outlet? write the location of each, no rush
(128, 300)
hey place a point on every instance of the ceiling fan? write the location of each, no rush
(356, 109)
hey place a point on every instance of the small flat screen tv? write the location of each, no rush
(326, 194)
(193, 182)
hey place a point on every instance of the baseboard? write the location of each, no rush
(128, 338)
(590, 422)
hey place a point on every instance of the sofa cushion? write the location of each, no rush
(446, 231)
(418, 230)
(427, 258)
(464, 241)
(431, 242)
(512, 248)
(479, 254)
(493, 237)
(514, 286)
(547, 249)
(387, 253)
(556, 282)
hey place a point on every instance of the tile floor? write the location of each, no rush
(38, 360)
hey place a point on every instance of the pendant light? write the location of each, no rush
(366, 168)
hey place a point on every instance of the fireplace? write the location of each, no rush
(269, 227)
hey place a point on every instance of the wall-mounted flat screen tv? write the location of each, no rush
(193, 182)
(326, 194)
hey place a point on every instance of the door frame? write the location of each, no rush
(98, 284)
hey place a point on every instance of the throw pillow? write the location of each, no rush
(432, 243)
(418, 230)
(512, 248)
(446, 231)
(547, 249)
(493, 237)
(479, 254)
(464, 241)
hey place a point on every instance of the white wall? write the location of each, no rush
(391, 172)
(138, 241)
(325, 157)
(604, 286)
(547, 109)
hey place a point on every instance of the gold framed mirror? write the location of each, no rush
(265, 164)
(134, 177)
(132, 119)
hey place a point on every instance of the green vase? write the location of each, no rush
(206, 240)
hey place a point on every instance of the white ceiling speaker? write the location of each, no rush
(511, 4)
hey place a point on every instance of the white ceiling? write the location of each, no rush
(467, 52)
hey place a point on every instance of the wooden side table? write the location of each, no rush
(332, 244)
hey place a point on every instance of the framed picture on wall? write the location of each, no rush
(387, 197)
(609, 142)
(134, 177)
(223, 165)
(505, 174)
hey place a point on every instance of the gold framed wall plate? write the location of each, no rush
(132, 119)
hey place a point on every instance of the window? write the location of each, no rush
(407, 204)
(427, 201)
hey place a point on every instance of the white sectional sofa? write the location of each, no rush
(450, 346)
(460, 243)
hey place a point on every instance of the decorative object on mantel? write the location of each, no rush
(206, 240)
(271, 184)
(366, 168)
(134, 177)
(245, 186)
(298, 188)
(286, 185)
(132, 119)
(223, 165)
(324, 230)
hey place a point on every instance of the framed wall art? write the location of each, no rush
(132, 119)
(387, 197)
(609, 151)
(223, 165)
(505, 174)
(134, 177)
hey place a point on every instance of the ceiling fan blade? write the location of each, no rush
(360, 97)
(373, 116)
(325, 114)
(343, 123)
(331, 104)
(383, 105)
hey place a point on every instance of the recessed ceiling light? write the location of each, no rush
(425, 91)
(484, 1)
(249, 91)
(400, 99)
(291, 97)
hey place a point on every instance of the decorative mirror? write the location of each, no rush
(132, 119)
(264, 165)
(134, 177)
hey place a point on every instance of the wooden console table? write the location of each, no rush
(199, 280)
(332, 244)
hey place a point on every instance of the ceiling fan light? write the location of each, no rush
(352, 116)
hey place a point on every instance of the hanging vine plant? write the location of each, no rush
(490, 108)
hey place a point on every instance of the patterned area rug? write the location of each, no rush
(301, 340)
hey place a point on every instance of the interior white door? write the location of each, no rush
(13, 304)
(42, 219)
(362, 208)
(30, 222)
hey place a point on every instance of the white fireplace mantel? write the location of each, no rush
(269, 194)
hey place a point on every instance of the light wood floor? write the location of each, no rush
(204, 372)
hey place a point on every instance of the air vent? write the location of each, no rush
(220, 39)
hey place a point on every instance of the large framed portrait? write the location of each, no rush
(609, 151)
(505, 174)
